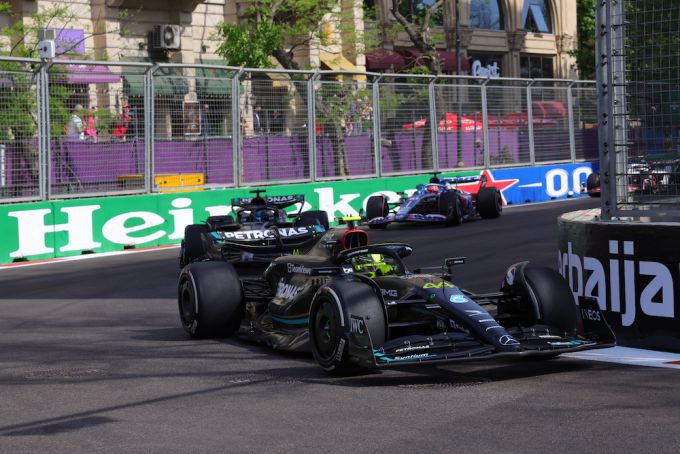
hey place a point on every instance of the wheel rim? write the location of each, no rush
(187, 303)
(325, 329)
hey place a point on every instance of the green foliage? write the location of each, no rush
(414, 11)
(104, 119)
(18, 96)
(267, 26)
(585, 51)
(249, 46)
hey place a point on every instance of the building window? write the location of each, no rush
(486, 14)
(536, 16)
(414, 11)
(536, 67)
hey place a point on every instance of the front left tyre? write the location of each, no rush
(539, 295)
(210, 299)
(377, 207)
(336, 310)
(449, 206)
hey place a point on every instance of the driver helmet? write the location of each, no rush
(373, 265)
(432, 188)
(261, 215)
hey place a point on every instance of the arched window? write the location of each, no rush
(414, 11)
(536, 16)
(486, 14)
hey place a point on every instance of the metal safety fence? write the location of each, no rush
(638, 63)
(77, 128)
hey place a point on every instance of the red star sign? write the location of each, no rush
(502, 185)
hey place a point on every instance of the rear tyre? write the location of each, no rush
(489, 203)
(316, 217)
(210, 299)
(330, 324)
(376, 207)
(191, 248)
(593, 182)
(449, 206)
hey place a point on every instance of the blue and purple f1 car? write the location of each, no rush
(440, 200)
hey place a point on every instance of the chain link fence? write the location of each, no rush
(74, 128)
(639, 108)
(20, 165)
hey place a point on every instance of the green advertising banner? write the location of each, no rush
(60, 228)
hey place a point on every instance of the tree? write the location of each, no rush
(418, 27)
(419, 30)
(585, 37)
(277, 28)
(18, 97)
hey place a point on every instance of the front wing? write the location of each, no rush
(534, 342)
(412, 217)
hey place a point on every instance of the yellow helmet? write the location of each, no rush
(373, 265)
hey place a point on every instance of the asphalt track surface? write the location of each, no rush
(93, 359)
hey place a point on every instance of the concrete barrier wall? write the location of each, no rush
(632, 269)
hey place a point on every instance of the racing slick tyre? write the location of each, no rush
(544, 298)
(318, 217)
(338, 310)
(489, 203)
(449, 206)
(376, 207)
(210, 299)
(191, 247)
(593, 182)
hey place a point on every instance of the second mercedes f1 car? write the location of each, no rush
(440, 200)
(260, 231)
(357, 307)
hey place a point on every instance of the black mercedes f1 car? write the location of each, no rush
(357, 307)
(259, 231)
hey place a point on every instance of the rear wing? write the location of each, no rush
(278, 201)
(459, 180)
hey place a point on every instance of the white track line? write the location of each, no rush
(631, 356)
(96, 255)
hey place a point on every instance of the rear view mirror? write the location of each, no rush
(454, 261)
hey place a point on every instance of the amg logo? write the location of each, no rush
(287, 291)
(250, 235)
(392, 293)
(300, 269)
(357, 325)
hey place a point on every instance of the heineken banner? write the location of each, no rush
(632, 269)
(70, 227)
